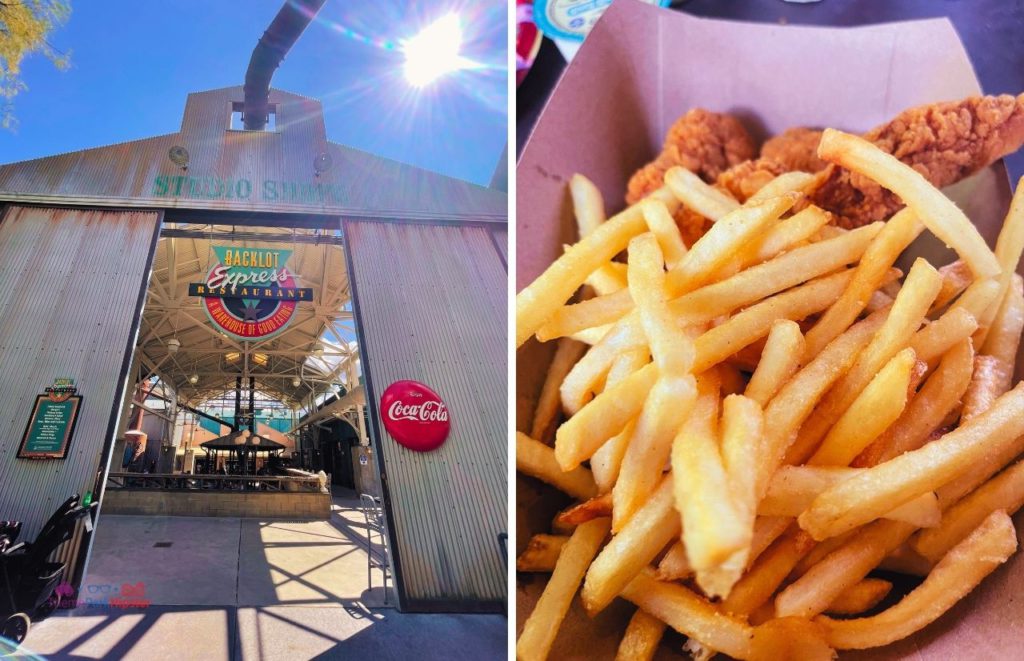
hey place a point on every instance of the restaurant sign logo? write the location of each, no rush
(414, 415)
(249, 293)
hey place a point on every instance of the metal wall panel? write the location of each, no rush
(500, 237)
(430, 306)
(70, 282)
(359, 184)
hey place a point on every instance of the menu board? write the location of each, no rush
(49, 430)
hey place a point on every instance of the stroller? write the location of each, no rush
(28, 581)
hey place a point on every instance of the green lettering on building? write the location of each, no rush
(214, 188)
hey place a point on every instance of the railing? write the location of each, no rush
(181, 482)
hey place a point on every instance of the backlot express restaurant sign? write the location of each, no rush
(249, 293)
(49, 430)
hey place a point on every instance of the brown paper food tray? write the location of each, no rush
(638, 70)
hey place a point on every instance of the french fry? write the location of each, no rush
(905, 316)
(586, 375)
(742, 431)
(671, 348)
(1003, 492)
(712, 524)
(756, 587)
(591, 336)
(566, 355)
(927, 409)
(1004, 337)
(674, 565)
(666, 407)
(641, 639)
(541, 553)
(755, 322)
(794, 488)
(728, 235)
(1009, 247)
(648, 532)
(712, 347)
(789, 182)
(540, 299)
(878, 300)
(795, 401)
(905, 560)
(664, 227)
(990, 379)
(706, 200)
(875, 408)
(691, 615)
(840, 570)
(943, 334)
(870, 494)
(588, 207)
(977, 298)
(780, 359)
(542, 625)
(593, 312)
(538, 460)
(595, 508)
(956, 277)
(786, 234)
(820, 551)
(861, 597)
(587, 204)
(607, 280)
(1001, 456)
(607, 459)
(673, 394)
(603, 417)
(880, 255)
(790, 638)
(939, 214)
(963, 568)
(787, 270)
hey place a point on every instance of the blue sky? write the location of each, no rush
(133, 63)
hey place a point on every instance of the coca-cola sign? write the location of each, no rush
(414, 415)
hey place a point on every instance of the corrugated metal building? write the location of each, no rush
(426, 258)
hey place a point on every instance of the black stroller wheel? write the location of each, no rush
(16, 627)
(46, 608)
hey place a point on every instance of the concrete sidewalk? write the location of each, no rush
(229, 588)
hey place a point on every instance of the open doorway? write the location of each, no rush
(246, 330)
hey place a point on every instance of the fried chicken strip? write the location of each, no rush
(706, 143)
(796, 149)
(945, 142)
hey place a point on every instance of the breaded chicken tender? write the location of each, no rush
(945, 142)
(743, 180)
(706, 143)
(796, 149)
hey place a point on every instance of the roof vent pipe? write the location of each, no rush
(275, 43)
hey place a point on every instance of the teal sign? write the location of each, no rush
(269, 190)
(52, 424)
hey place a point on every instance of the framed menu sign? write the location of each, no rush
(52, 424)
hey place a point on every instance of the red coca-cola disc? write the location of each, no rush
(414, 415)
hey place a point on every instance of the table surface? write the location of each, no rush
(990, 30)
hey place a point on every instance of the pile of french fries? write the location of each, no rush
(756, 422)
